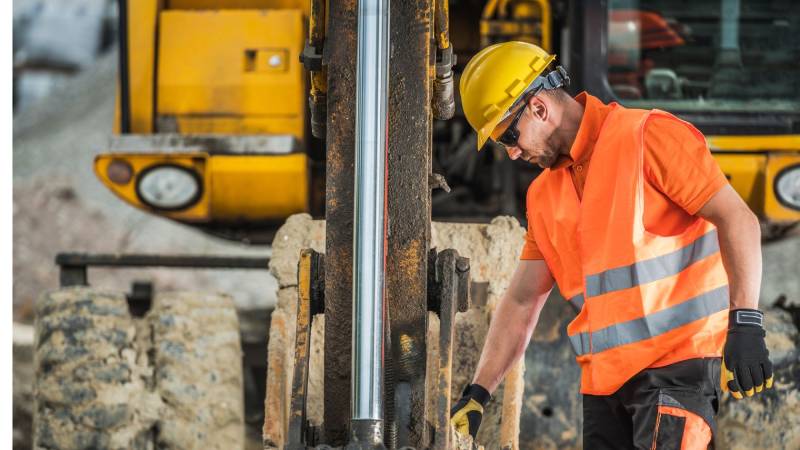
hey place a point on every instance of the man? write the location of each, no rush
(634, 221)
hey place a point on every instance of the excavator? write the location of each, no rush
(232, 115)
(196, 128)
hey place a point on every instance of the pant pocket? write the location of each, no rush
(679, 429)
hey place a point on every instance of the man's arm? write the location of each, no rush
(513, 322)
(739, 243)
(746, 368)
(512, 325)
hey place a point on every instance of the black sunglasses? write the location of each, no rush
(511, 134)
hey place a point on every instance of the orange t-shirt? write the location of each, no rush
(680, 173)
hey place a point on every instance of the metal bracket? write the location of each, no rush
(436, 276)
(453, 290)
(141, 298)
(445, 60)
(74, 266)
(311, 58)
(310, 301)
(443, 96)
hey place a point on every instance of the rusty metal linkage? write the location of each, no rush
(310, 301)
(409, 213)
(312, 59)
(74, 266)
(450, 283)
(340, 155)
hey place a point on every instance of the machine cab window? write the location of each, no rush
(705, 55)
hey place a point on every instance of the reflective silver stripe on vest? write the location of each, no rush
(577, 300)
(580, 343)
(652, 269)
(653, 324)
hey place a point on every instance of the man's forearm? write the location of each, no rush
(510, 331)
(740, 246)
(739, 243)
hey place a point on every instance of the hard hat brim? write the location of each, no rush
(485, 133)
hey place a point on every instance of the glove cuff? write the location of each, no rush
(478, 393)
(745, 317)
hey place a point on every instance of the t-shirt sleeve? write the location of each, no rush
(529, 249)
(679, 163)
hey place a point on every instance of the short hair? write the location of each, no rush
(558, 94)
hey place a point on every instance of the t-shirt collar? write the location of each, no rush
(594, 114)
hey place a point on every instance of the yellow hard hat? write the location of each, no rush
(495, 78)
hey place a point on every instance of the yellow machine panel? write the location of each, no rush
(790, 142)
(142, 17)
(775, 209)
(234, 63)
(751, 164)
(745, 172)
(241, 125)
(252, 188)
(240, 4)
(234, 188)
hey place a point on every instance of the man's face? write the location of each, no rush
(535, 144)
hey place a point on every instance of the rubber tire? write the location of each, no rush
(106, 380)
(90, 388)
(198, 361)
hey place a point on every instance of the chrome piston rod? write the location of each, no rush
(372, 70)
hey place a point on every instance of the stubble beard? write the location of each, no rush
(547, 157)
(550, 150)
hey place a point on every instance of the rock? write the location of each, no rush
(33, 85)
(22, 385)
(64, 34)
(299, 232)
(492, 249)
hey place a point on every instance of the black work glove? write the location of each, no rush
(467, 413)
(745, 359)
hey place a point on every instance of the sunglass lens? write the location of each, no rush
(509, 137)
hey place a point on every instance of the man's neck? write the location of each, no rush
(570, 124)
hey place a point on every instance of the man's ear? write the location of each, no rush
(538, 108)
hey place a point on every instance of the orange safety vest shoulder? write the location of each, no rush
(645, 300)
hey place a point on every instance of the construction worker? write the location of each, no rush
(635, 222)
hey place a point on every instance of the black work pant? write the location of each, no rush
(665, 408)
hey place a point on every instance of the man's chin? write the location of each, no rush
(547, 160)
(536, 162)
(545, 163)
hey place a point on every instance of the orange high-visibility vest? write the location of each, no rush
(645, 300)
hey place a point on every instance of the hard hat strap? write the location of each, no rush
(554, 79)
